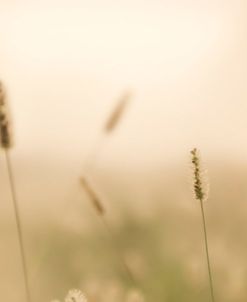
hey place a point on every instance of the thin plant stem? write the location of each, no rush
(207, 251)
(118, 252)
(18, 224)
(100, 211)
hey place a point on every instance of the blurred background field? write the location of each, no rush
(156, 225)
(65, 65)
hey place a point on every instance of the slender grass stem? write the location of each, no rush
(18, 224)
(118, 252)
(100, 211)
(207, 251)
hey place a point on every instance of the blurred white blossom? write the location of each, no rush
(74, 295)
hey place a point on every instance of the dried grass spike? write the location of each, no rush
(199, 184)
(117, 113)
(93, 196)
(201, 196)
(5, 133)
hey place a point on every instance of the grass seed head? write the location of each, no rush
(5, 132)
(198, 182)
(117, 113)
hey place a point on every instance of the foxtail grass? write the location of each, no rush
(6, 144)
(201, 195)
(110, 125)
(117, 113)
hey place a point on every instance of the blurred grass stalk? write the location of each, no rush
(110, 125)
(6, 144)
(91, 159)
(117, 113)
(100, 211)
(201, 195)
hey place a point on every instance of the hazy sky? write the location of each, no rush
(65, 63)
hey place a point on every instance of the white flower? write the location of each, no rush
(75, 295)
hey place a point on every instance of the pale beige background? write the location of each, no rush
(65, 63)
